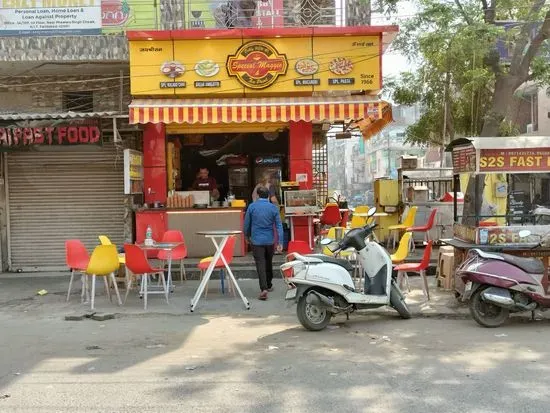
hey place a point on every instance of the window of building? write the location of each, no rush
(78, 101)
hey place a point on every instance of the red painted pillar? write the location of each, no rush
(300, 162)
(154, 162)
(300, 152)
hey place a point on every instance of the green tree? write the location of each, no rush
(462, 81)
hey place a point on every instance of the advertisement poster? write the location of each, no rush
(49, 17)
(75, 17)
(120, 15)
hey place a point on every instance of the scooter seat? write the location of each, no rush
(338, 261)
(529, 265)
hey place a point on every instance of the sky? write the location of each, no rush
(392, 62)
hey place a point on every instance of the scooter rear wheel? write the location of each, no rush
(397, 301)
(311, 316)
(487, 314)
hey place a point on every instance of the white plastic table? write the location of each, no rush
(219, 239)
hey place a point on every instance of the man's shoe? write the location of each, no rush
(263, 295)
(270, 289)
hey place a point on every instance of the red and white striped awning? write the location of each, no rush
(376, 113)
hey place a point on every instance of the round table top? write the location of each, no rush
(219, 233)
(160, 246)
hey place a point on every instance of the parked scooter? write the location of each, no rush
(499, 284)
(323, 285)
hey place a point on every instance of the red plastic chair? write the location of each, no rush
(421, 267)
(424, 228)
(137, 263)
(178, 254)
(330, 217)
(301, 247)
(228, 252)
(77, 259)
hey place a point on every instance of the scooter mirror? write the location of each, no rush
(326, 241)
(524, 233)
(371, 211)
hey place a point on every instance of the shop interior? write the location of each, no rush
(237, 161)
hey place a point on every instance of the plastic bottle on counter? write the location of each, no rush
(149, 236)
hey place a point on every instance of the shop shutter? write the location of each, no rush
(57, 195)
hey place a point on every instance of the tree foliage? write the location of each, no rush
(463, 81)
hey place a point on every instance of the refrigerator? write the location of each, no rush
(271, 166)
(239, 177)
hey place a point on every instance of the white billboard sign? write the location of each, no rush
(49, 17)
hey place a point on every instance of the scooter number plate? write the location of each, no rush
(468, 286)
(291, 294)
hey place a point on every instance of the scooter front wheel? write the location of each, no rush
(312, 317)
(487, 314)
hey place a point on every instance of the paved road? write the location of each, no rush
(193, 363)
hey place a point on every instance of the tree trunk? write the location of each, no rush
(501, 109)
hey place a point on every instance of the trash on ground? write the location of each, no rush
(91, 368)
(155, 346)
(333, 327)
(334, 374)
(4, 396)
(191, 368)
(501, 335)
(270, 348)
(93, 348)
(42, 292)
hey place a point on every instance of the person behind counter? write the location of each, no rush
(205, 182)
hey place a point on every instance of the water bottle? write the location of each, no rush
(149, 236)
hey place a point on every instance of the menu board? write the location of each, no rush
(347, 63)
(147, 62)
(464, 159)
(518, 206)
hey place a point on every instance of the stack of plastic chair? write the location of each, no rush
(424, 228)
(177, 254)
(103, 263)
(408, 221)
(419, 267)
(77, 259)
(136, 260)
(228, 253)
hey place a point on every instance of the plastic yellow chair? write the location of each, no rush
(104, 240)
(359, 222)
(332, 235)
(104, 263)
(402, 250)
(408, 222)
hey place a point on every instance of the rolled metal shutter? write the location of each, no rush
(59, 195)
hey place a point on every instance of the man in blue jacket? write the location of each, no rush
(259, 223)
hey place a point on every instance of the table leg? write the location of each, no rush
(234, 280)
(291, 228)
(170, 285)
(309, 230)
(209, 271)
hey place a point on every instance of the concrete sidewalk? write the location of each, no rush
(18, 294)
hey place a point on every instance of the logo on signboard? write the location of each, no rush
(172, 69)
(257, 64)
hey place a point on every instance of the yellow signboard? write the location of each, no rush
(268, 66)
(147, 58)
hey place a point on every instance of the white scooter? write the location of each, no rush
(323, 286)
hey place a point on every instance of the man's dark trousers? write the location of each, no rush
(263, 255)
